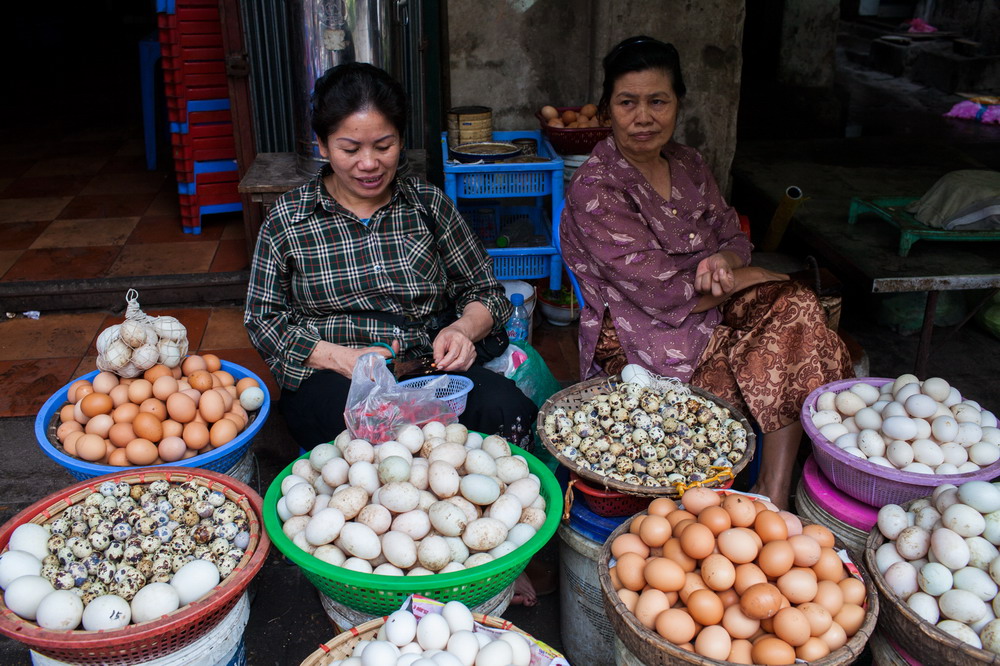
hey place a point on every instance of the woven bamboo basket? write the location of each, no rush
(852, 537)
(883, 653)
(342, 645)
(904, 626)
(576, 395)
(139, 643)
(653, 650)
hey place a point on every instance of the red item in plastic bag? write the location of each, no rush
(377, 407)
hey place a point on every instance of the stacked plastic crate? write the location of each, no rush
(197, 93)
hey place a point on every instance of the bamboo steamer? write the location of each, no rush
(648, 648)
(469, 124)
(905, 627)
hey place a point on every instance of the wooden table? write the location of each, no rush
(831, 172)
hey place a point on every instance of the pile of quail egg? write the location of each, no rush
(653, 435)
(124, 536)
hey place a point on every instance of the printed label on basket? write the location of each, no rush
(541, 654)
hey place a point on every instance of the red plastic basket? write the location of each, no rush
(608, 502)
(139, 643)
(572, 140)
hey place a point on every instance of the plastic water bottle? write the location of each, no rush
(518, 326)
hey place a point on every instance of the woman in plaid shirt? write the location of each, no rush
(361, 260)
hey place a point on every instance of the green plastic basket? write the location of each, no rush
(380, 595)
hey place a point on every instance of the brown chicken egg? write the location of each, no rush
(819, 618)
(200, 380)
(829, 596)
(738, 544)
(121, 434)
(729, 597)
(850, 617)
(141, 451)
(696, 499)
(747, 575)
(705, 607)
(612, 573)
(740, 652)
(66, 414)
(172, 449)
(715, 518)
(139, 390)
(692, 582)
(195, 435)
(211, 407)
(675, 625)
(740, 509)
(147, 426)
(181, 407)
(630, 568)
(118, 458)
(71, 392)
(835, 637)
(738, 624)
(854, 590)
(125, 412)
(629, 543)
(772, 651)
(697, 541)
(654, 531)
(212, 362)
(164, 387)
(245, 383)
(95, 403)
(225, 378)
(155, 372)
(119, 395)
(813, 649)
(650, 604)
(760, 601)
(71, 439)
(769, 526)
(679, 528)
(629, 598)
(792, 522)
(222, 432)
(799, 585)
(91, 447)
(807, 550)
(662, 506)
(776, 558)
(718, 572)
(713, 642)
(791, 626)
(99, 425)
(677, 516)
(822, 534)
(829, 566)
(155, 407)
(192, 364)
(672, 549)
(103, 382)
(66, 428)
(172, 428)
(664, 574)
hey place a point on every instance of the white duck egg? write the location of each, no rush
(504, 548)
(399, 496)
(990, 636)
(880, 461)
(850, 424)
(984, 453)
(474, 441)
(443, 479)
(920, 406)
(967, 467)
(331, 554)
(450, 452)
(866, 392)
(106, 613)
(969, 433)
(324, 527)
(981, 552)
(512, 468)
(950, 549)
(825, 417)
(893, 409)
(419, 471)
(880, 405)
(61, 610)
(901, 578)
(526, 490)
(954, 453)
(966, 413)
(17, 563)
(194, 580)
(925, 606)
(961, 631)
(411, 437)
(357, 564)
(961, 606)
(827, 401)
(507, 509)
(464, 645)
(433, 429)
(935, 579)
(899, 453)
(377, 517)
(447, 518)
(849, 403)
(349, 501)
(289, 481)
(478, 461)
(334, 472)
(30, 538)
(899, 427)
(963, 520)
(497, 653)
(982, 496)
(977, 581)
(856, 452)
(871, 443)
(520, 534)
(946, 468)
(891, 520)
(153, 601)
(903, 380)
(394, 468)
(926, 451)
(433, 632)
(519, 646)
(400, 628)
(480, 489)
(496, 446)
(303, 468)
(387, 569)
(918, 468)
(636, 374)
(904, 392)
(322, 454)
(913, 542)
(299, 499)
(484, 534)
(364, 475)
(25, 593)
(414, 524)
(936, 388)
(868, 419)
(954, 397)
(458, 617)
(360, 541)
(927, 517)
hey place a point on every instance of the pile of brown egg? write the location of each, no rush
(168, 414)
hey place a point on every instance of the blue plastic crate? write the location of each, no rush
(517, 179)
(489, 219)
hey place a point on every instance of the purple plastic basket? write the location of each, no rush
(867, 482)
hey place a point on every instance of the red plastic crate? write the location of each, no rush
(207, 178)
(175, 50)
(189, 27)
(186, 92)
(194, 67)
(205, 13)
(179, 78)
(205, 150)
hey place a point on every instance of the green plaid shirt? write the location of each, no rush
(316, 265)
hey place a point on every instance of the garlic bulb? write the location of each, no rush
(117, 355)
(169, 328)
(170, 353)
(105, 338)
(133, 333)
(145, 357)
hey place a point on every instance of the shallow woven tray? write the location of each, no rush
(139, 643)
(917, 635)
(653, 650)
(576, 395)
(341, 646)
(852, 537)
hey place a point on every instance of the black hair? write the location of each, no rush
(352, 87)
(638, 54)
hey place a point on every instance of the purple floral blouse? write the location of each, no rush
(635, 253)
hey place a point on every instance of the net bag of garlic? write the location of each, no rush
(140, 342)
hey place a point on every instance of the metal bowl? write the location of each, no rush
(484, 151)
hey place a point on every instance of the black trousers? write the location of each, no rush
(495, 406)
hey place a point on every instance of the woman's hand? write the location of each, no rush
(714, 274)
(743, 278)
(341, 359)
(453, 350)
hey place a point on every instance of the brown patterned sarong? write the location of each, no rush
(770, 351)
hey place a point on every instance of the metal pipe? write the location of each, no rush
(782, 215)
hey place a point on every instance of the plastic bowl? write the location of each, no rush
(219, 460)
(380, 595)
(865, 481)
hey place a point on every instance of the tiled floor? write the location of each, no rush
(75, 206)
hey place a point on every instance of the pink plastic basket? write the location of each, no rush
(867, 482)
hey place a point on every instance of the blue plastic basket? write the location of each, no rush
(455, 392)
(219, 460)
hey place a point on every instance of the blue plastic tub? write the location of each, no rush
(220, 460)
(587, 523)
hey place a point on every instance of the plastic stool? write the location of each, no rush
(149, 53)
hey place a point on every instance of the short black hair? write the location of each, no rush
(638, 54)
(352, 87)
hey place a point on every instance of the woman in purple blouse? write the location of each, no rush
(663, 267)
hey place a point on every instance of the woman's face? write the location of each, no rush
(643, 112)
(364, 154)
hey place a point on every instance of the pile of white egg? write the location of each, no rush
(915, 426)
(942, 559)
(435, 499)
(451, 638)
